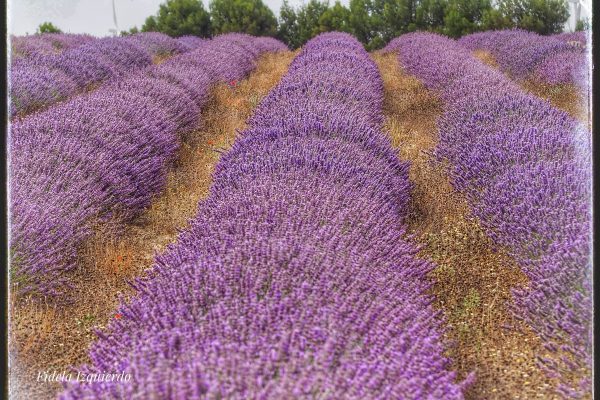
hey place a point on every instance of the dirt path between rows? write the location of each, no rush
(472, 282)
(566, 97)
(52, 339)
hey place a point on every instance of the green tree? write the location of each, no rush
(308, 17)
(465, 16)
(248, 16)
(429, 15)
(180, 17)
(395, 17)
(287, 30)
(130, 32)
(361, 21)
(48, 27)
(493, 19)
(582, 25)
(336, 18)
(376, 22)
(542, 16)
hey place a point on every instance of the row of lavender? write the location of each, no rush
(294, 280)
(53, 43)
(558, 59)
(105, 154)
(46, 43)
(525, 170)
(43, 79)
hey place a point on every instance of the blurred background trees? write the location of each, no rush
(373, 22)
(250, 16)
(180, 17)
(48, 27)
(541, 16)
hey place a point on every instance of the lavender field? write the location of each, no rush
(226, 218)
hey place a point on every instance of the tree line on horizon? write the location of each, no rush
(373, 22)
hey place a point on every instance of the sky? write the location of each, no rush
(96, 17)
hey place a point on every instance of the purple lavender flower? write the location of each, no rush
(556, 59)
(294, 279)
(524, 167)
(45, 77)
(46, 43)
(101, 155)
(157, 43)
(191, 42)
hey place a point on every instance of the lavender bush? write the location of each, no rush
(270, 44)
(294, 279)
(102, 155)
(34, 85)
(575, 39)
(46, 43)
(190, 41)
(42, 80)
(158, 44)
(525, 170)
(551, 59)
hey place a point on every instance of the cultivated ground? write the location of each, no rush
(46, 338)
(566, 97)
(472, 281)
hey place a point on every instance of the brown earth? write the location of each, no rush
(565, 97)
(486, 57)
(472, 281)
(47, 338)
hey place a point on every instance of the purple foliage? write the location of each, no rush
(102, 59)
(294, 280)
(65, 41)
(101, 155)
(525, 169)
(575, 39)
(564, 67)
(53, 77)
(46, 43)
(157, 43)
(191, 42)
(263, 43)
(34, 85)
(31, 46)
(523, 55)
(269, 44)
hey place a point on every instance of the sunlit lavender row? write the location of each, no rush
(294, 279)
(43, 79)
(105, 154)
(525, 170)
(558, 59)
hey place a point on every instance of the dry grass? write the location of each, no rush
(47, 338)
(161, 58)
(486, 57)
(566, 97)
(472, 281)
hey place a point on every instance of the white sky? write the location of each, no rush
(92, 16)
(95, 16)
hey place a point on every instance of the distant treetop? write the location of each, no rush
(48, 27)
(179, 18)
(373, 22)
